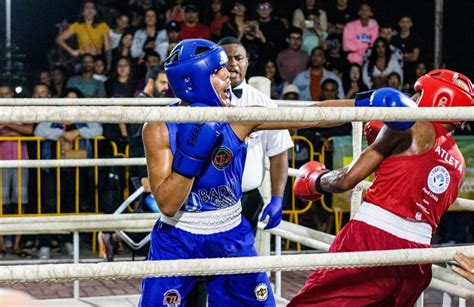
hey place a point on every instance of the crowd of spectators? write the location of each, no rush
(309, 49)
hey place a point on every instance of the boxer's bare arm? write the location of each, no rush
(390, 142)
(170, 189)
(243, 129)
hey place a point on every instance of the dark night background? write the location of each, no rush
(34, 31)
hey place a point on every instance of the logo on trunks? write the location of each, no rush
(261, 292)
(172, 298)
(222, 157)
(438, 179)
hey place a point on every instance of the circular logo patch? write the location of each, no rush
(222, 157)
(172, 298)
(438, 179)
(261, 292)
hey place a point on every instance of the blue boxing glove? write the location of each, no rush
(195, 141)
(386, 97)
(274, 212)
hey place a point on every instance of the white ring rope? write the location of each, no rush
(209, 114)
(71, 162)
(305, 232)
(451, 289)
(144, 222)
(443, 278)
(240, 265)
(34, 102)
(461, 202)
(357, 132)
(137, 222)
(447, 275)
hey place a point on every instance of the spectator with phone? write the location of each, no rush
(313, 33)
(257, 48)
(272, 29)
(301, 15)
(236, 25)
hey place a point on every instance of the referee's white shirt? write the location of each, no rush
(260, 143)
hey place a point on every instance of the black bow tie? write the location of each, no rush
(237, 92)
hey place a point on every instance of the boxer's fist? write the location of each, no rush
(371, 130)
(195, 141)
(386, 97)
(305, 184)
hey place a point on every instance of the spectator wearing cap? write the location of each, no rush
(291, 92)
(360, 34)
(292, 60)
(237, 23)
(173, 29)
(149, 37)
(272, 28)
(191, 28)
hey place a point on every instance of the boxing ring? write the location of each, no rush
(71, 110)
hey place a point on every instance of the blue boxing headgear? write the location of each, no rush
(189, 68)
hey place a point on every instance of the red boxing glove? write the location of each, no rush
(305, 185)
(371, 130)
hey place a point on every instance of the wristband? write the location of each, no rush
(319, 189)
(362, 99)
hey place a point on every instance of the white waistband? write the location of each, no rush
(376, 216)
(207, 222)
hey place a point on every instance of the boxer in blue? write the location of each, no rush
(195, 172)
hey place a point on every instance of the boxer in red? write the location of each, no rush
(419, 173)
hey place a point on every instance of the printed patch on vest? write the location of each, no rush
(222, 157)
(438, 179)
(172, 298)
(261, 292)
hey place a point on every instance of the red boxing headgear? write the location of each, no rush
(445, 88)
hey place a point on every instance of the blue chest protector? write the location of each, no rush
(220, 183)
